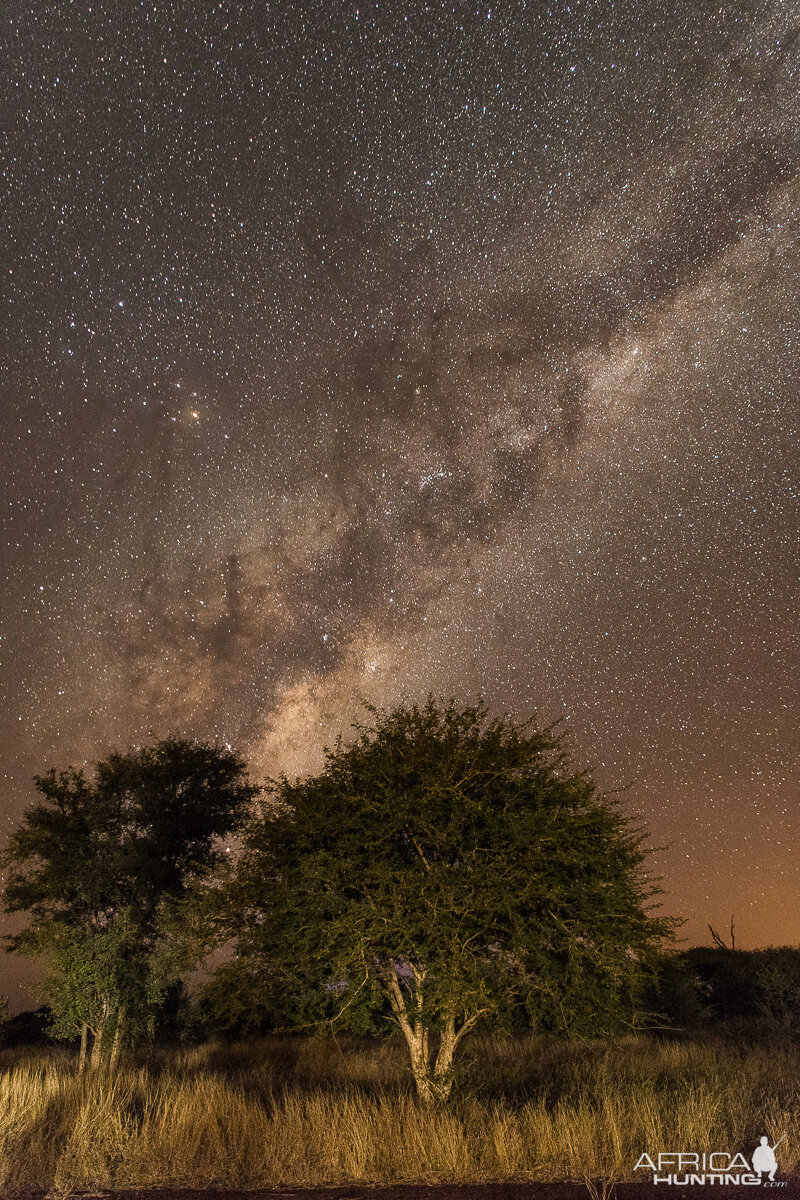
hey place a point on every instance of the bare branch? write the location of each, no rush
(720, 942)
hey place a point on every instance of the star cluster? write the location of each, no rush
(361, 351)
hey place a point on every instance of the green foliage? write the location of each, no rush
(238, 999)
(464, 859)
(90, 973)
(244, 997)
(98, 863)
(578, 997)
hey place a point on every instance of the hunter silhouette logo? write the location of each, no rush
(764, 1160)
(683, 1168)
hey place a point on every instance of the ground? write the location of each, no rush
(497, 1191)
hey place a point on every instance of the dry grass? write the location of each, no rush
(309, 1112)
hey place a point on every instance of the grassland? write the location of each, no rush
(306, 1111)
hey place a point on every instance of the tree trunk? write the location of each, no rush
(434, 1079)
(97, 1047)
(433, 1086)
(116, 1045)
(434, 1082)
(443, 1071)
(84, 1047)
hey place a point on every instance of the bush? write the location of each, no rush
(27, 1028)
(762, 985)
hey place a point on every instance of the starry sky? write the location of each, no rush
(366, 349)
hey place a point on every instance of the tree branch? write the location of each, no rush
(418, 849)
(468, 1023)
(395, 995)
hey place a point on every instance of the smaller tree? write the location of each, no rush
(85, 987)
(444, 866)
(98, 865)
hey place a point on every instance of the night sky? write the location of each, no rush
(371, 349)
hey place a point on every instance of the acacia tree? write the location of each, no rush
(98, 862)
(444, 865)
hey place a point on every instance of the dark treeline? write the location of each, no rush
(701, 987)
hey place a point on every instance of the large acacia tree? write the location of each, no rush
(443, 865)
(97, 863)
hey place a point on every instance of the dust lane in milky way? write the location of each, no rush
(371, 351)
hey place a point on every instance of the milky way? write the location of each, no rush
(357, 352)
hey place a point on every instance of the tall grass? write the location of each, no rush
(309, 1112)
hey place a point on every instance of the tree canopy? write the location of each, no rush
(442, 867)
